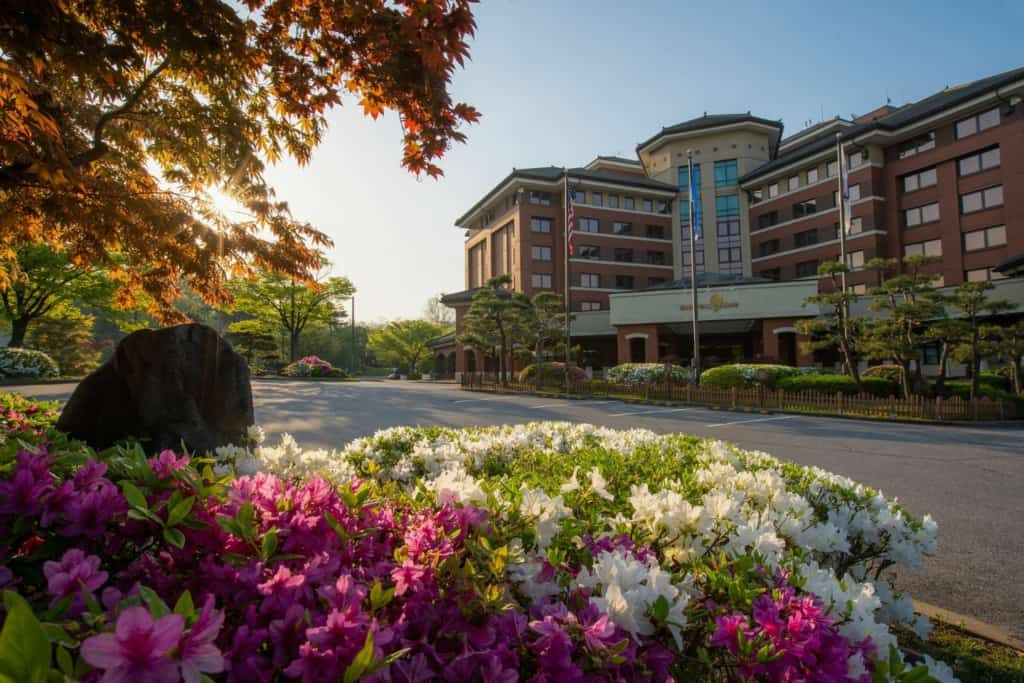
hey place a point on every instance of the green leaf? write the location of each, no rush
(180, 510)
(362, 661)
(184, 605)
(269, 545)
(174, 537)
(134, 495)
(157, 606)
(56, 634)
(64, 662)
(24, 648)
(660, 608)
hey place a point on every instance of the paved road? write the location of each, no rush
(971, 479)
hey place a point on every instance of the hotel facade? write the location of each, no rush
(943, 176)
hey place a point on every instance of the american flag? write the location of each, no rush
(570, 223)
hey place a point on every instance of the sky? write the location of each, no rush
(558, 82)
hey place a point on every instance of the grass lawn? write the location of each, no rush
(974, 660)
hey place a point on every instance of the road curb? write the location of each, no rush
(975, 627)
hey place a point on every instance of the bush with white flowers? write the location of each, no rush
(29, 363)
(711, 558)
(647, 373)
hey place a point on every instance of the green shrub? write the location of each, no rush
(995, 378)
(28, 363)
(832, 384)
(553, 373)
(962, 389)
(645, 373)
(744, 375)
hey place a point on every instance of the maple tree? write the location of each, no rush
(118, 117)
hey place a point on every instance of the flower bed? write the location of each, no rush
(647, 373)
(312, 366)
(540, 552)
(745, 375)
(29, 363)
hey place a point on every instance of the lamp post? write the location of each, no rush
(352, 353)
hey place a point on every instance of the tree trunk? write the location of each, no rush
(1015, 379)
(293, 346)
(905, 378)
(19, 326)
(940, 381)
(975, 359)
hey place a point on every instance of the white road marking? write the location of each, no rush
(471, 400)
(756, 419)
(650, 412)
(547, 405)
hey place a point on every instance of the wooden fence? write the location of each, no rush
(767, 400)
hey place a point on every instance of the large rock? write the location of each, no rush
(175, 385)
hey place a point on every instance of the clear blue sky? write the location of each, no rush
(559, 82)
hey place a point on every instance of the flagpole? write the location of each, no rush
(693, 271)
(565, 231)
(843, 172)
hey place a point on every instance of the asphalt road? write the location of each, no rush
(971, 479)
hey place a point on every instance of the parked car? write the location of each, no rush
(394, 375)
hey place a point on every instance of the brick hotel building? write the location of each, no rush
(942, 176)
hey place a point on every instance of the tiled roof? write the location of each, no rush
(710, 280)
(619, 160)
(904, 116)
(550, 173)
(709, 121)
(443, 340)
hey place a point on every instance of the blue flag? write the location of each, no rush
(695, 201)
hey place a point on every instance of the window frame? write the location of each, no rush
(983, 195)
(541, 249)
(542, 220)
(541, 276)
(986, 241)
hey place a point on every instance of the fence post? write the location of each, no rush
(938, 407)
(732, 397)
(760, 398)
(892, 406)
(839, 402)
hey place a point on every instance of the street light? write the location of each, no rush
(352, 353)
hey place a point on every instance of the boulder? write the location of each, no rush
(166, 387)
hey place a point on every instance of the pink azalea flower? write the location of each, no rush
(165, 464)
(137, 650)
(72, 574)
(197, 651)
(408, 576)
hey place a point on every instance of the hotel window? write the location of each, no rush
(831, 169)
(771, 274)
(579, 197)
(613, 201)
(542, 198)
(655, 231)
(773, 190)
(982, 275)
(860, 289)
(656, 258)
(588, 251)
(805, 238)
(854, 193)
(538, 224)
(700, 255)
(812, 175)
(915, 181)
(981, 161)
(655, 281)
(917, 145)
(620, 228)
(727, 224)
(588, 225)
(623, 282)
(856, 226)
(628, 203)
(648, 205)
(727, 205)
(929, 248)
(590, 305)
(767, 220)
(684, 177)
(768, 248)
(661, 206)
(541, 280)
(982, 199)
(805, 208)
(624, 255)
(855, 259)
(921, 214)
(977, 123)
(725, 173)
(590, 280)
(856, 159)
(983, 239)
(807, 268)
(756, 196)
(931, 353)
(794, 183)
(597, 199)
(684, 212)
(540, 253)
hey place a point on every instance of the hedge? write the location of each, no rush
(832, 384)
(18, 362)
(645, 373)
(744, 375)
(553, 373)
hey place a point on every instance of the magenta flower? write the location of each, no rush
(137, 650)
(196, 650)
(22, 494)
(167, 463)
(408, 576)
(89, 509)
(71, 575)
